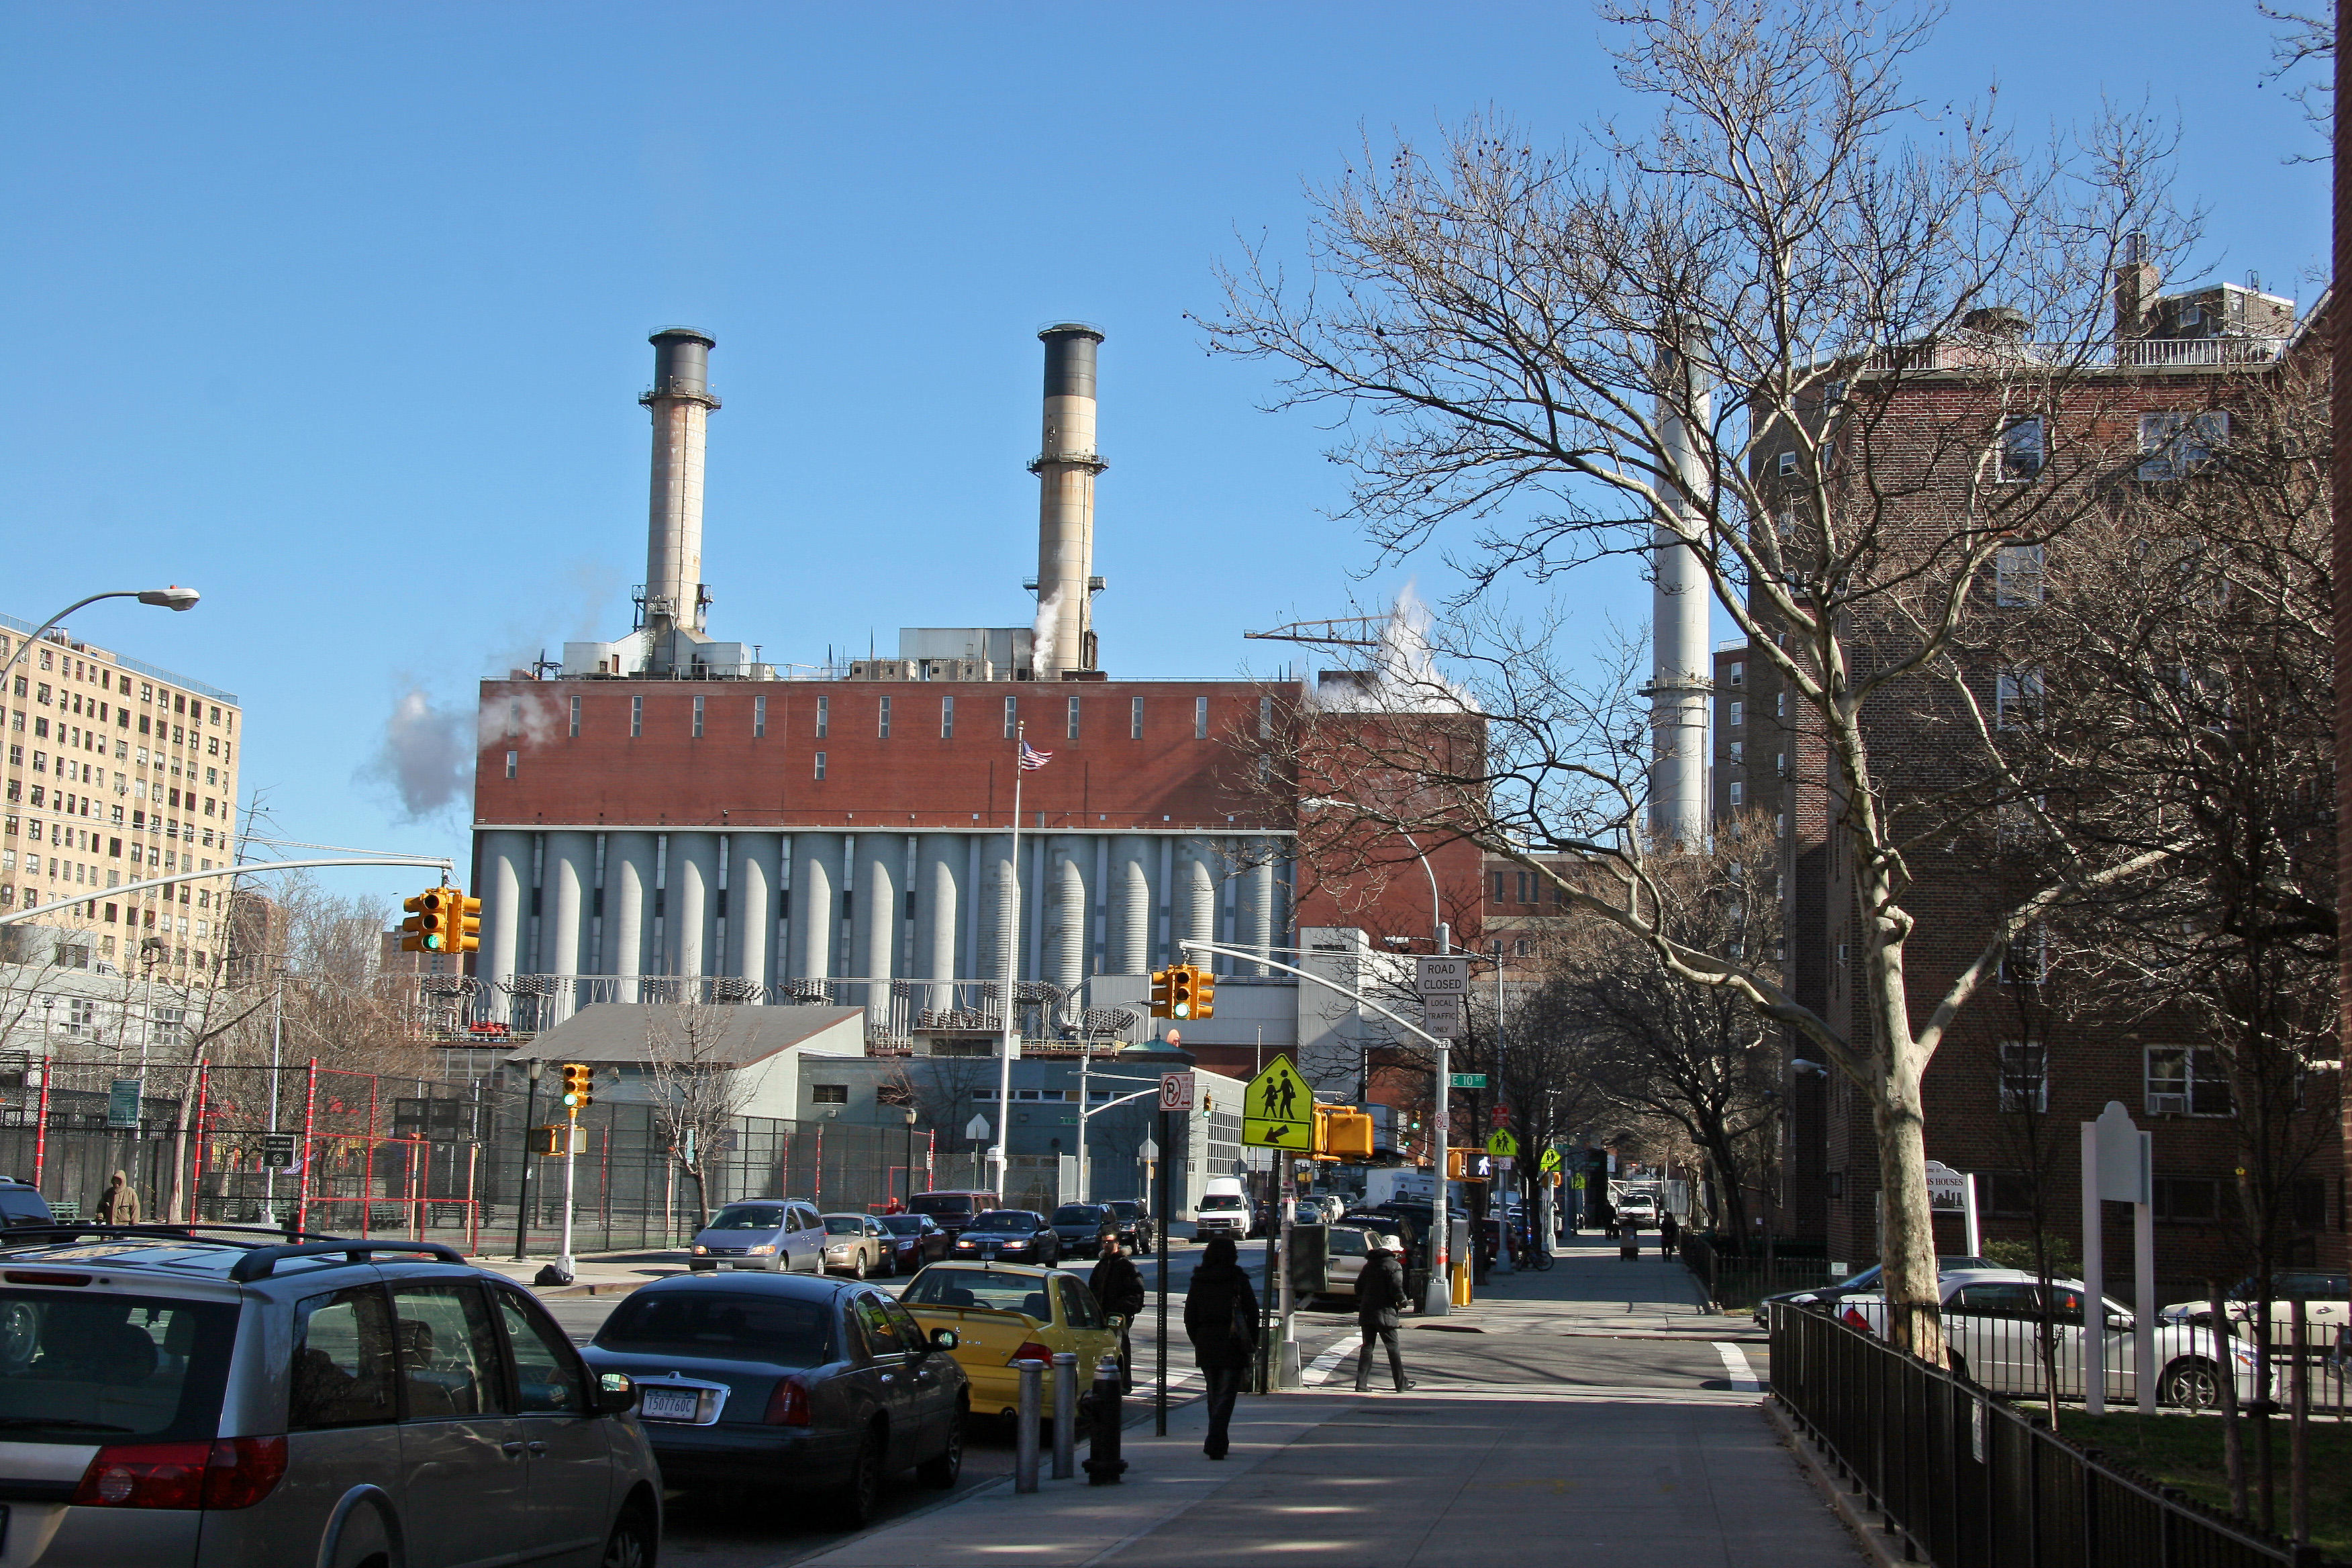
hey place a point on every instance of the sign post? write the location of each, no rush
(1441, 975)
(2118, 1167)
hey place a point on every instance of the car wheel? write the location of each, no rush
(857, 1267)
(2190, 1384)
(631, 1544)
(943, 1469)
(854, 1506)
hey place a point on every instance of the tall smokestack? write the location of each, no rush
(1066, 467)
(681, 404)
(1679, 674)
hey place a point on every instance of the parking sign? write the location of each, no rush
(1176, 1091)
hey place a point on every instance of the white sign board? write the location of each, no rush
(976, 1129)
(1442, 1015)
(1441, 975)
(1176, 1090)
(1948, 1190)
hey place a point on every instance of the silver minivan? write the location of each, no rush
(776, 1236)
(195, 1397)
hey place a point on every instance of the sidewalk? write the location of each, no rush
(597, 1274)
(1593, 1407)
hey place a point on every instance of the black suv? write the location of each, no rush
(21, 1204)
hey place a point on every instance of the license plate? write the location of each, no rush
(669, 1403)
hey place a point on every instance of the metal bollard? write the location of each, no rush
(1104, 1419)
(1065, 1415)
(1025, 1449)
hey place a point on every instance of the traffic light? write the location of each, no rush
(465, 922)
(1468, 1166)
(579, 1087)
(549, 1139)
(1182, 980)
(1160, 991)
(1343, 1133)
(423, 926)
(1205, 994)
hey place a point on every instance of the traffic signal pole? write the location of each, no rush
(570, 1163)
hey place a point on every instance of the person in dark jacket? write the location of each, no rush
(1669, 1229)
(1117, 1286)
(1379, 1292)
(1221, 1319)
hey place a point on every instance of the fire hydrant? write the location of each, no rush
(1101, 1415)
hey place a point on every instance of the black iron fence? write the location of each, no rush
(1970, 1482)
(1737, 1281)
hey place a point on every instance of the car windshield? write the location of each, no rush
(1124, 1210)
(84, 1369)
(1007, 1219)
(903, 1224)
(749, 1217)
(942, 1286)
(1221, 1201)
(932, 1203)
(843, 1225)
(1078, 1214)
(728, 1325)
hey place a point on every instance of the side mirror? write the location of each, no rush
(1118, 1320)
(616, 1394)
(944, 1340)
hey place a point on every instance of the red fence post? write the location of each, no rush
(196, 1156)
(310, 1150)
(41, 1127)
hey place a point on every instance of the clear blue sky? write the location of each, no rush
(339, 312)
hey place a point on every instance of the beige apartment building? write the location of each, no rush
(116, 772)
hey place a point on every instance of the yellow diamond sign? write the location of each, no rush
(1503, 1144)
(1278, 1109)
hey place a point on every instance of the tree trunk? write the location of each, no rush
(1913, 1314)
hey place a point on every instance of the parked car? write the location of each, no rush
(1993, 1321)
(1224, 1210)
(776, 1236)
(214, 1399)
(22, 1205)
(818, 1385)
(2324, 1297)
(1080, 1229)
(1004, 1312)
(1825, 1295)
(1137, 1232)
(914, 1239)
(952, 1209)
(1638, 1208)
(1021, 1235)
(856, 1245)
(1344, 1248)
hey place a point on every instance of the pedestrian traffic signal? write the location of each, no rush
(1468, 1166)
(1205, 994)
(550, 1140)
(1343, 1133)
(465, 922)
(579, 1087)
(1182, 982)
(1160, 991)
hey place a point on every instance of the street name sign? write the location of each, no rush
(1278, 1109)
(1468, 1079)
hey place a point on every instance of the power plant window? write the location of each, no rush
(1012, 717)
(882, 719)
(1073, 718)
(1135, 718)
(697, 718)
(1200, 718)
(819, 764)
(510, 762)
(637, 717)
(824, 722)
(758, 717)
(575, 718)
(947, 718)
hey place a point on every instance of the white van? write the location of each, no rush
(1224, 1210)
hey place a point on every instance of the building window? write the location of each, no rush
(2023, 450)
(1012, 717)
(1135, 718)
(882, 719)
(2017, 698)
(1072, 730)
(2186, 1081)
(1737, 794)
(697, 718)
(637, 717)
(2185, 1200)
(1736, 673)
(829, 1093)
(947, 718)
(1739, 751)
(575, 718)
(2017, 576)
(1786, 465)
(2027, 960)
(1266, 717)
(1779, 705)
(510, 762)
(1200, 718)
(2024, 1075)
(1736, 714)
(758, 717)
(824, 716)
(2172, 445)
(819, 764)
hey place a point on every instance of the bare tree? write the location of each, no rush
(1542, 359)
(693, 1050)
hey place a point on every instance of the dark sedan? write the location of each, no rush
(1017, 1236)
(1135, 1227)
(1082, 1228)
(914, 1239)
(818, 1384)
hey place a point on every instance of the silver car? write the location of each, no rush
(198, 1397)
(775, 1235)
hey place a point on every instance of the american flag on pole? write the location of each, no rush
(1032, 759)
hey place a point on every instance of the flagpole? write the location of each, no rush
(1011, 968)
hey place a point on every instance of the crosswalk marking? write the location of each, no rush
(1735, 1362)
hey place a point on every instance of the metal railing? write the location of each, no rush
(1970, 1482)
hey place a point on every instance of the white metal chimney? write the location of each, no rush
(680, 399)
(1066, 467)
(1680, 677)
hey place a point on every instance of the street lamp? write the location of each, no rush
(909, 1114)
(172, 598)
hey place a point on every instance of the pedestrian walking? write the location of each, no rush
(1117, 1286)
(1380, 1291)
(1221, 1319)
(118, 1205)
(1669, 1229)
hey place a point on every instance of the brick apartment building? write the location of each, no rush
(2008, 1086)
(116, 772)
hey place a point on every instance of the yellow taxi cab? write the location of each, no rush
(1004, 1312)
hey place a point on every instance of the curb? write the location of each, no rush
(609, 1287)
(1879, 1545)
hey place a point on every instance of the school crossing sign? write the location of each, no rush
(1278, 1109)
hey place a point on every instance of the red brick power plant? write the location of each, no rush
(666, 815)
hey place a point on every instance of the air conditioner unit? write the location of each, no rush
(2168, 1105)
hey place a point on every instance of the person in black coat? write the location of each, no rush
(1221, 1319)
(1668, 1230)
(1117, 1286)
(1379, 1292)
